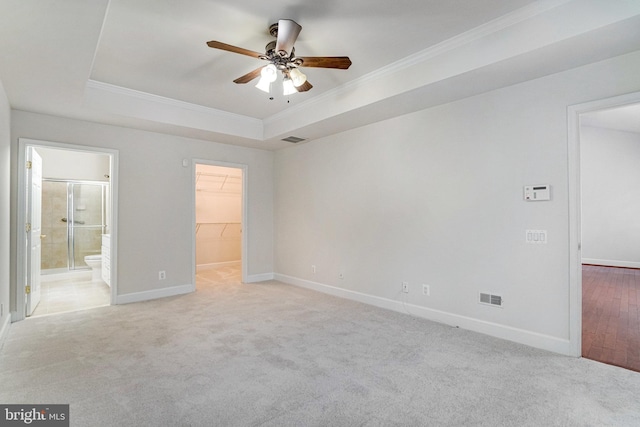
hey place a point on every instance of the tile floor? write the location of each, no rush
(71, 292)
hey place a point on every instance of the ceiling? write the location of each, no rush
(145, 63)
(625, 118)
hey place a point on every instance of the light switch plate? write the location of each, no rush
(536, 236)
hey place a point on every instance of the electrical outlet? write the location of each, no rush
(405, 287)
(341, 276)
(162, 275)
(313, 269)
(426, 290)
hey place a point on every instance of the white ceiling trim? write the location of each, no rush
(133, 103)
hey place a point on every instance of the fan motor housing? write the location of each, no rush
(276, 58)
(273, 30)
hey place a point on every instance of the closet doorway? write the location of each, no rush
(219, 217)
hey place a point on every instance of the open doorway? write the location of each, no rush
(219, 218)
(610, 195)
(67, 195)
(604, 149)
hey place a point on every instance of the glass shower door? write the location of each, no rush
(86, 222)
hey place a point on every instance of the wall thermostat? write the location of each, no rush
(537, 192)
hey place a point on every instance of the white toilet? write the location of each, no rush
(95, 262)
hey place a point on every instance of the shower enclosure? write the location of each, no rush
(73, 221)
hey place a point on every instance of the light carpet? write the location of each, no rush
(271, 354)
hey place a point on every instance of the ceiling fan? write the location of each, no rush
(280, 55)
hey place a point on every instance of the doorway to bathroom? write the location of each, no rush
(219, 217)
(67, 192)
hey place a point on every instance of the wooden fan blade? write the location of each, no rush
(288, 31)
(229, 48)
(249, 76)
(341, 62)
(304, 87)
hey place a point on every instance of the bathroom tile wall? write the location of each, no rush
(88, 214)
(54, 208)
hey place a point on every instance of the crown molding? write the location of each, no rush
(134, 103)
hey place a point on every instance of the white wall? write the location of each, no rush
(436, 197)
(610, 197)
(155, 197)
(74, 165)
(5, 189)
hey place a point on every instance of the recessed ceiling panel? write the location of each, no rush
(159, 46)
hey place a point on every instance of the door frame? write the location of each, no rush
(21, 256)
(243, 226)
(575, 227)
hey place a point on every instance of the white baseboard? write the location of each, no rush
(154, 294)
(611, 263)
(211, 266)
(4, 328)
(259, 278)
(533, 339)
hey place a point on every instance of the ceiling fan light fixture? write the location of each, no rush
(264, 85)
(297, 77)
(288, 87)
(280, 54)
(268, 75)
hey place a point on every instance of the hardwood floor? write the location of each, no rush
(610, 315)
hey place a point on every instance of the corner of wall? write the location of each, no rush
(4, 328)
(5, 212)
(155, 294)
(255, 278)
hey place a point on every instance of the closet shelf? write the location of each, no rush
(218, 223)
(219, 179)
(225, 224)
